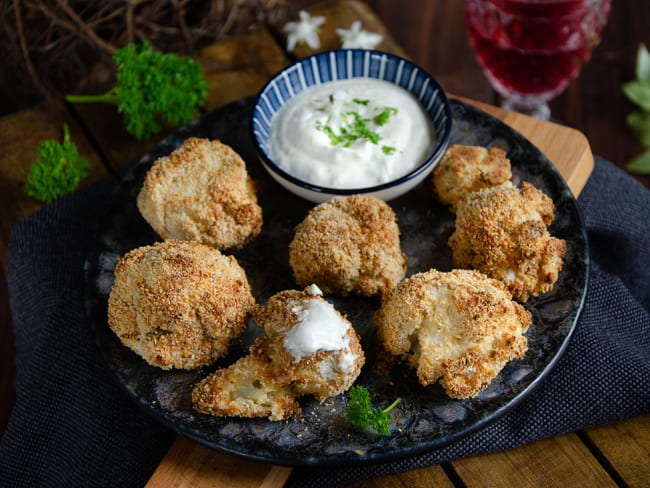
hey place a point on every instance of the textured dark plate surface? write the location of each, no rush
(426, 418)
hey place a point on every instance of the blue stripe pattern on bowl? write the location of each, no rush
(344, 64)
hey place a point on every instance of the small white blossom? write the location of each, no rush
(305, 30)
(355, 38)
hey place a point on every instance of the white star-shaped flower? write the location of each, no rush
(355, 38)
(305, 30)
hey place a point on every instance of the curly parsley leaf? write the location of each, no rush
(152, 89)
(57, 170)
(362, 415)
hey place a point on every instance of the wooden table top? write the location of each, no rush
(605, 456)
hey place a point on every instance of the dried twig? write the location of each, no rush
(56, 46)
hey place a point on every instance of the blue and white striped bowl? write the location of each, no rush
(345, 64)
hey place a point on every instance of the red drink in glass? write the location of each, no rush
(532, 49)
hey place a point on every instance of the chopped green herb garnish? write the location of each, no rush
(361, 129)
(362, 415)
(355, 127)
(382, 118)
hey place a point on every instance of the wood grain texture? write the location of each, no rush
(626, 448)
(566, 147)
(561, 461)
(433, 476)
(188, 464)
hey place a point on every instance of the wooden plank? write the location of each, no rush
(626, 446)
(560, 461)
(572, 150)
(20, 134)
(189, 464)
(240, 66)
(422, 477)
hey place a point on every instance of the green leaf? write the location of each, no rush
(640, 124)
(362, 415)
(58, 169)
(153, 89)
(640, 164)
(639, 93)
(382, 118)
(643, 64)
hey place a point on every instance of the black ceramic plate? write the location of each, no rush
(426, 418)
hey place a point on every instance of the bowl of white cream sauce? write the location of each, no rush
(351, 121)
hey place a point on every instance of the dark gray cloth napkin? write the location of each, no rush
(72, 425)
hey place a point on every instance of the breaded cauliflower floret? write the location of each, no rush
(201, 192)
(309, 349)
(464, 169)
(179, 304)
(459, 327)
(349, 245)
(502, 232)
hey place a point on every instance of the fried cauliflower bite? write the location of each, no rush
(201, 192)
(349, 245)
(179, 304)
(502, 232)
(309, 349)
(459, 327)
(464, 169)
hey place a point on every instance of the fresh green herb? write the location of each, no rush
(360, 129)
(638, 91)
(153, 88)
(362, 415)
(58, 169)
(355, 127)
(334, 139)
(382, 118)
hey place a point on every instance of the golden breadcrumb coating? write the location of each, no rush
(201, 192)
(464, 169)
(459, 327)
(178, 304)
(502, 232)
(268, 382)
(349, 245)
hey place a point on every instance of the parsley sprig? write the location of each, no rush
(362, 415)
(355, 127)
(58, 169)
(153, 88)
(638, 91)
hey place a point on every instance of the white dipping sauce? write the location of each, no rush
(318, 136)
(319, 328)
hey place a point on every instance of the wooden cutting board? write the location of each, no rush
(188, 464)
(235, 68)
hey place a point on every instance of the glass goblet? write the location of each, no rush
(530, 50)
